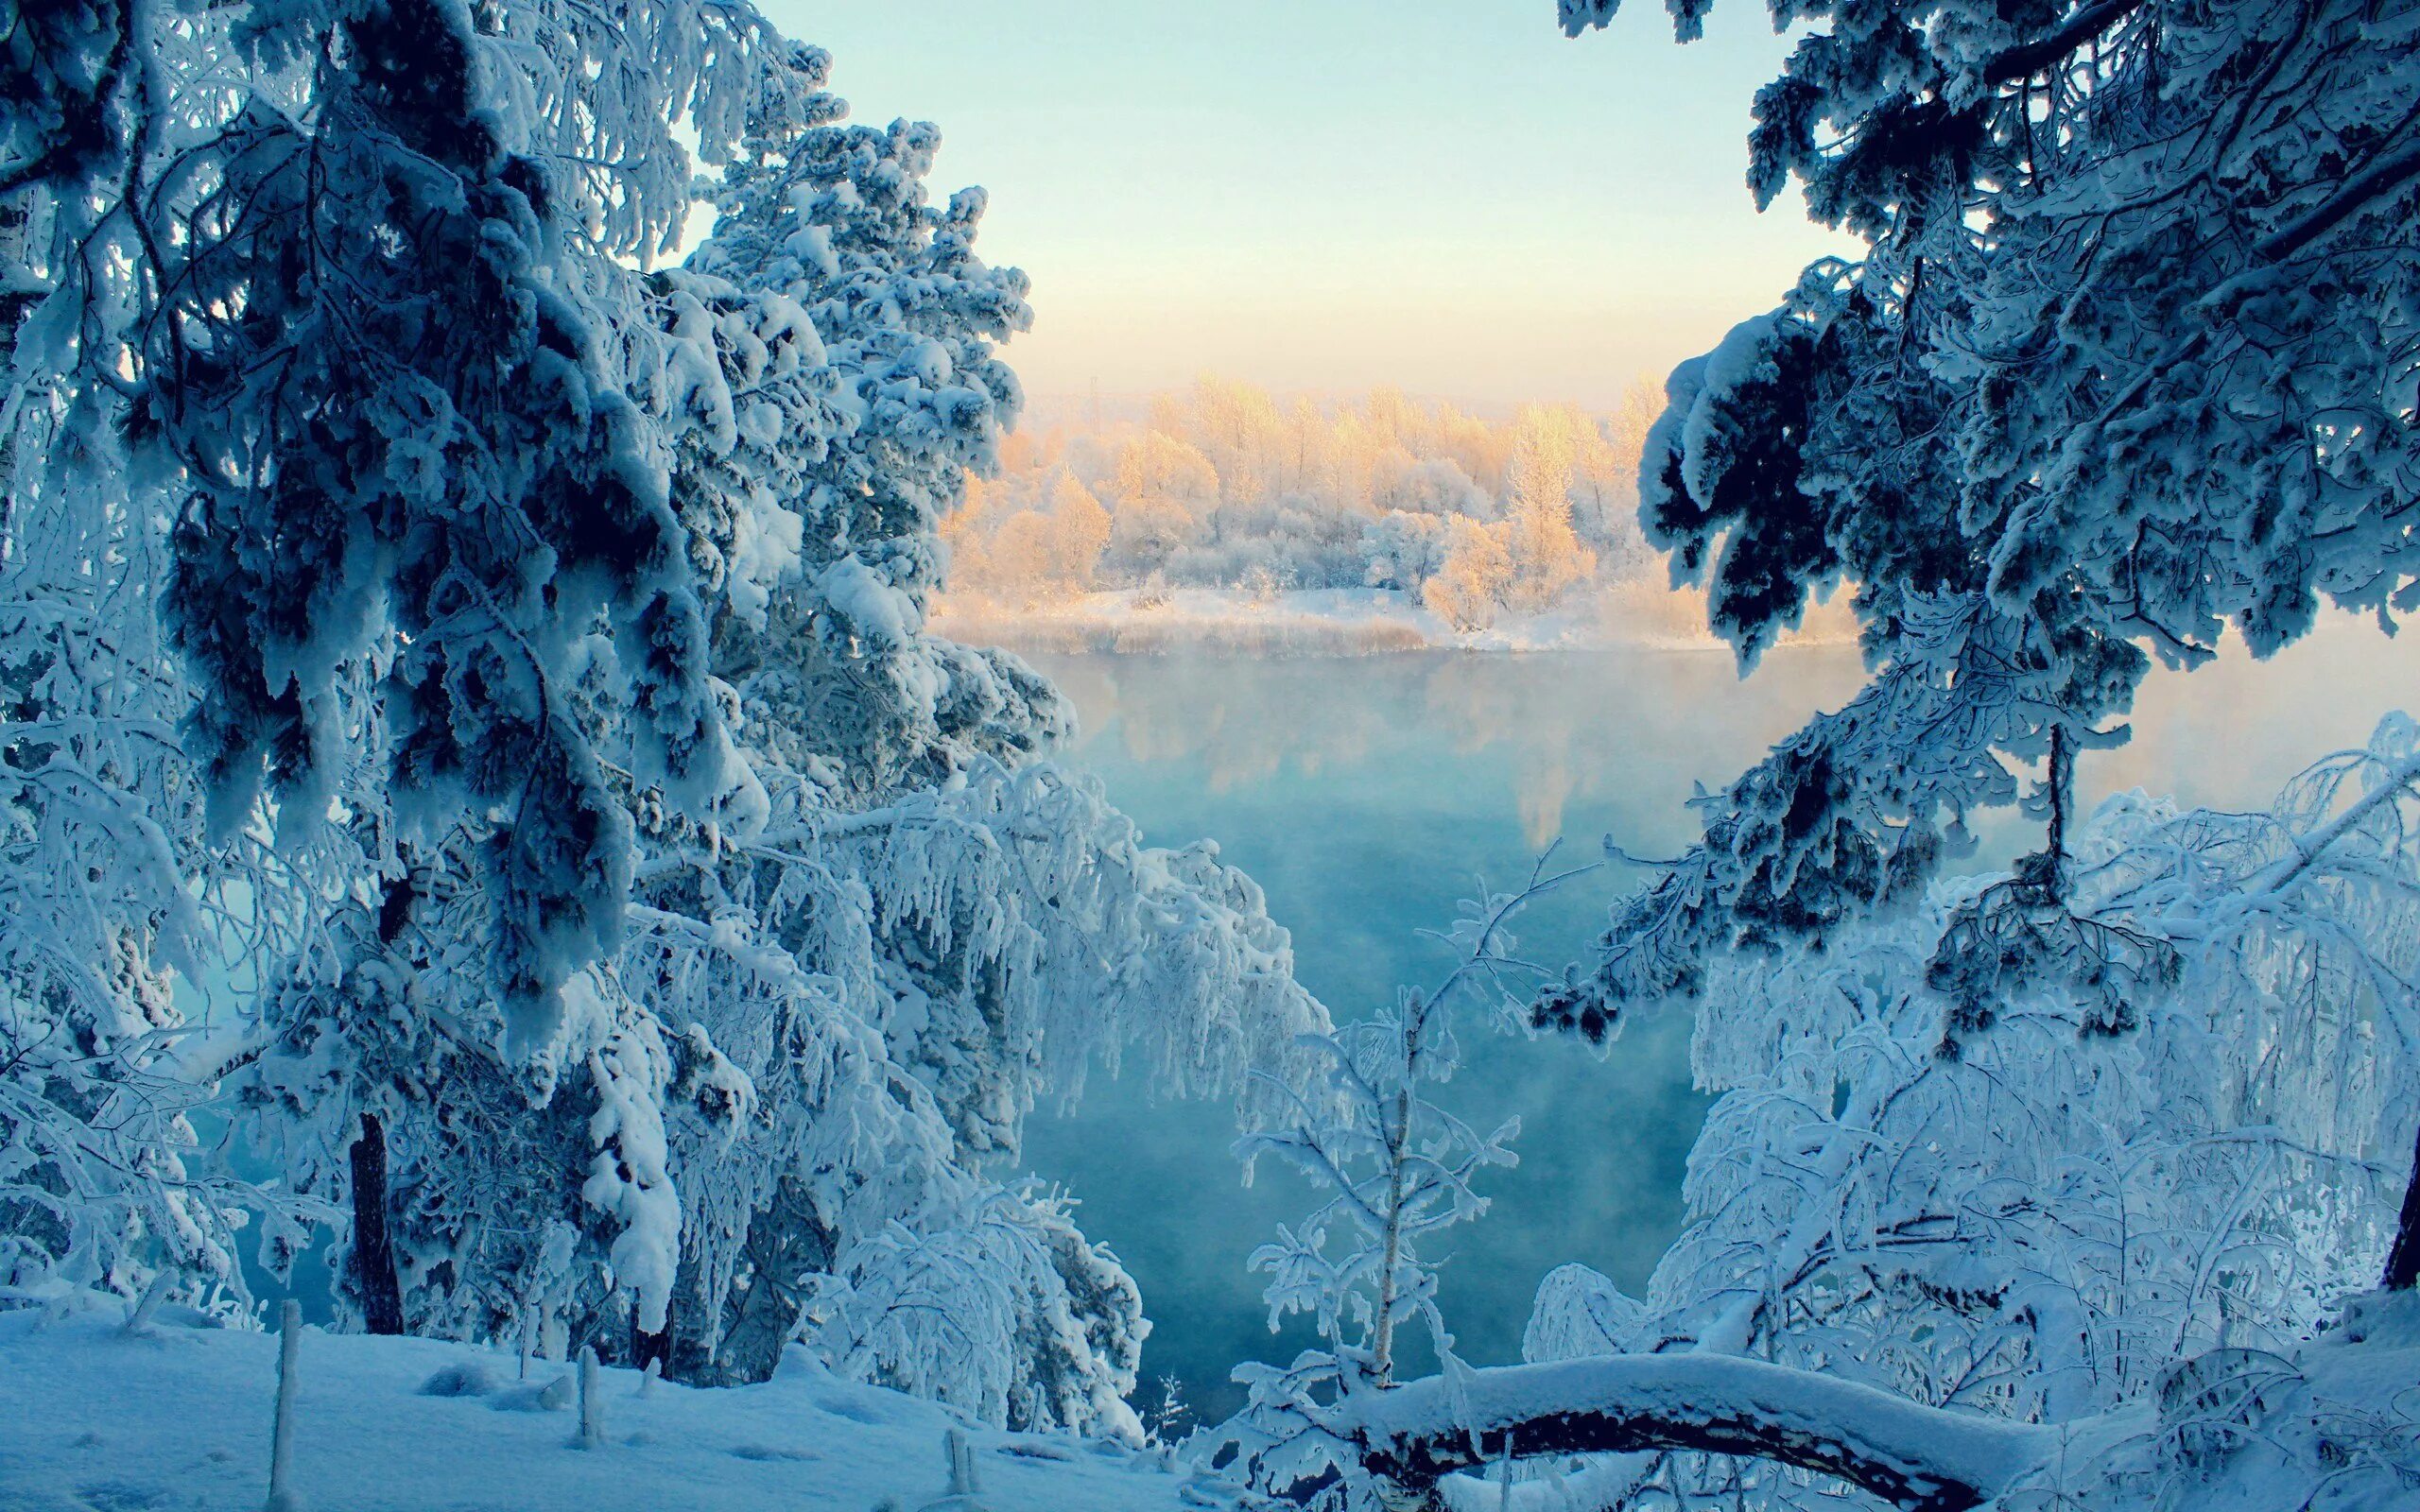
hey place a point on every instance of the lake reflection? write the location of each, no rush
(1367, 794)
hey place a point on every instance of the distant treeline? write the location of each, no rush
(1224, 486)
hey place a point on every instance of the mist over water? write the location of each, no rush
(1367, 795)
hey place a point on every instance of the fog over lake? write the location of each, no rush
(1367, 795)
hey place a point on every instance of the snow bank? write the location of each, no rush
(179, 1416)
(1336, 622)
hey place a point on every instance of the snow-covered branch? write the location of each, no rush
(1924, 1459)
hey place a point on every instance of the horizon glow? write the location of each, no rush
(1447, 196)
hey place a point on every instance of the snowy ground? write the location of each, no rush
(92, 1420)
(1330, 622)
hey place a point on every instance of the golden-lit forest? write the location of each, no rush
(1226, 485)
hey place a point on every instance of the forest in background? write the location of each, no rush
(1227, 485)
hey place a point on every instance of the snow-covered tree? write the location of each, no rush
(106, 895)
(418, 418)
(646, 933)
(1402, 483)
(2127, 358)
(1079, 532)
(1471, 582)
(1396, 1168)
(2023, 1241)
(1043, 551)
(1548, 557)
(2042, 1224)
(839, 988)
(406, 376)
(1393, 1171)
(1403, 549)
(838, 219)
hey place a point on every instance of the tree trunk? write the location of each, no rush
(657, 1346)
(1415, 1025)
(2403, 1260)
(372, 1258)
(2062, 785)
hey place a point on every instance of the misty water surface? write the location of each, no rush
(1367, 795)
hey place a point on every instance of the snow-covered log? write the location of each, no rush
(1921, 1458)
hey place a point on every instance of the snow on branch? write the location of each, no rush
(1924, 1459)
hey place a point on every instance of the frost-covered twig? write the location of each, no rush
(1394, 1169)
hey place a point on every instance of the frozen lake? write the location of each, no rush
(1367, 794)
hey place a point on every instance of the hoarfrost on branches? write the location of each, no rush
(2040, 1223)
(1394, 1170)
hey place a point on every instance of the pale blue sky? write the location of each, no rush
(1326, 195)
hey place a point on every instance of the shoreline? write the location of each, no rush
(1340, 623)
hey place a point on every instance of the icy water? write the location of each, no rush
(1367, 795)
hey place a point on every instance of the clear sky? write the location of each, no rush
(1326, 195)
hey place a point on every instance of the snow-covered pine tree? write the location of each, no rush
(838, 992)
(838, 218)
(402, 364)
(2129, 357)
(387, 365)
(995, 924)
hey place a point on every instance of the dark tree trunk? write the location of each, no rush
(2063, 785)
(2403, 1260)
(372, 1260)
(657, 1346)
